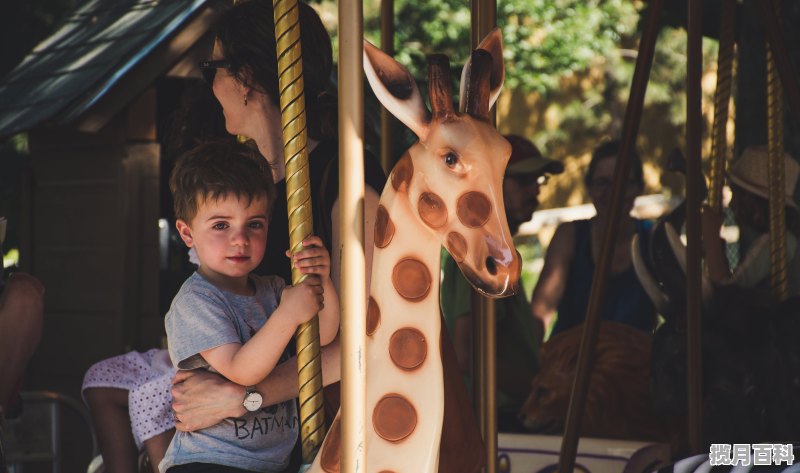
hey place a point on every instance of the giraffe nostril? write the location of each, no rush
(491, 266)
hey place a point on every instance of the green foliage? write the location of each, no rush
(547, 40)
(544, 40)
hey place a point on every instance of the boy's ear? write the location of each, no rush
(185, 231)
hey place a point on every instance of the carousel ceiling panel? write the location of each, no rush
(86, 57)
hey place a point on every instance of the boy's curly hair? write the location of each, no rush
(216, 169)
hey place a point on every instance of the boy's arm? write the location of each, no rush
(329, 315)
(314, 260)
(251, 362)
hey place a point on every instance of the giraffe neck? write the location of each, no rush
(405, 390)
(405, 384)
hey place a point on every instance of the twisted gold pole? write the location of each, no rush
(776, 170)
(722, 97)
(298, 199)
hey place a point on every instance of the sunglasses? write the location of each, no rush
(209, 69)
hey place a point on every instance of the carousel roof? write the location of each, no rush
(99, 44)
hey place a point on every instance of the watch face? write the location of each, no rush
(252, 401)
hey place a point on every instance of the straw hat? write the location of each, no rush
(750, 173)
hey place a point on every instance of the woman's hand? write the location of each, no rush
(202, 399)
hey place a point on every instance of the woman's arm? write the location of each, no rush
(329, 315)
(553, 279)
(371, 199)
(716, 263)
(201, 399)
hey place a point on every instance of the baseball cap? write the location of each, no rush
(527, 159)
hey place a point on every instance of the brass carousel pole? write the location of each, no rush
(387, 119)
(484, 19)
(630, 128)
(351, 231)
(722, 97)
(694, 176)
(301, 225)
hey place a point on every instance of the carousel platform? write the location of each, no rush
(518, 453)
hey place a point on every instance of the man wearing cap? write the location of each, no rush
(517, 347)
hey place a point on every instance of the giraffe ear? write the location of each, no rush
(493, 44)
(396, 89)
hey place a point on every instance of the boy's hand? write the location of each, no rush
(303, 301)
(313, 258)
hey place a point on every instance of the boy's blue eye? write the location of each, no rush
(256, 225)
(220, 226)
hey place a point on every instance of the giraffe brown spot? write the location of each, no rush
(401, 175)
(408, 348)
(394, 418)
(330, 449)
(432, 210)
(411, 279)
(457, 246)
(384, 228)
(474, 209)
(373, 316)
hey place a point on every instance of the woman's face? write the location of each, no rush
(230, 93)
(601, 183)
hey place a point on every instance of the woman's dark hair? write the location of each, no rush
(246, 33)
(611, 149)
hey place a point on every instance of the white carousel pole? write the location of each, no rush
(351, 234)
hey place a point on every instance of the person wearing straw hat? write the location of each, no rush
(749, 182)
(518, 347)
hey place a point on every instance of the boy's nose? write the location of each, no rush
(240, 238)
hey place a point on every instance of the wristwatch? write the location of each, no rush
(252, 399)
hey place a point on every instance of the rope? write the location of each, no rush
(722, 96)
(776, 171)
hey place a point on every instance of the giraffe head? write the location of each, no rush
(453, 177)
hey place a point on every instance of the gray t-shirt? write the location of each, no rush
(203, 317)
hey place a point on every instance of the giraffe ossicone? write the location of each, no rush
(446, 190)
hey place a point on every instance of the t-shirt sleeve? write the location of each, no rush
(755, 265)
(197, 321)
(373, 177)
(373, 173)
(274, 286)
(456, 295)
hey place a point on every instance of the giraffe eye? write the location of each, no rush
(451, 159)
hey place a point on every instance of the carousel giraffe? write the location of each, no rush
(445, 190)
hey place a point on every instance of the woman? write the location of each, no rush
(566, 278)
(244, 78)
(749, 180)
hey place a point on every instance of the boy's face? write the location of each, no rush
(229, 236)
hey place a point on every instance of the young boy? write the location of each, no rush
(230, 321)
